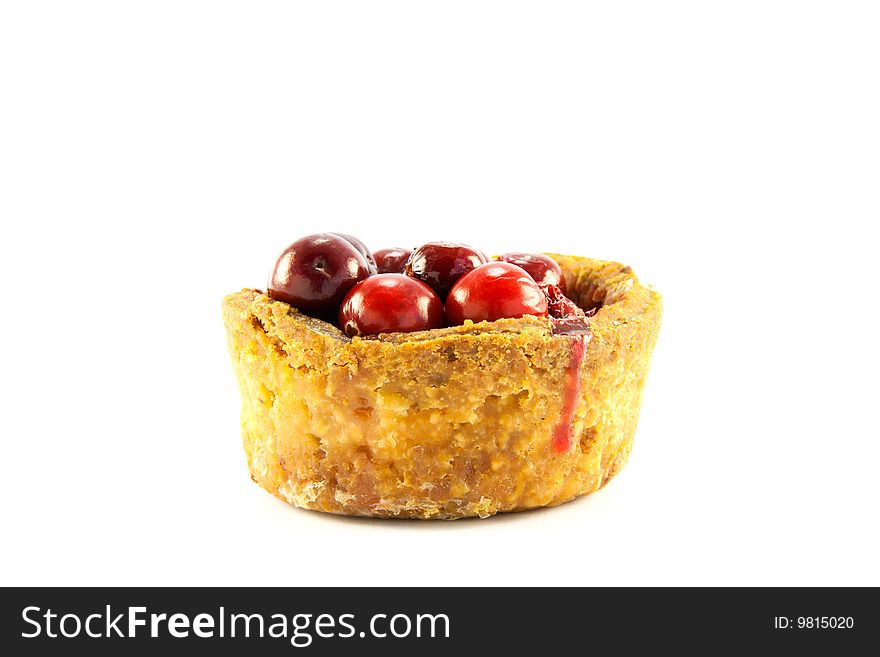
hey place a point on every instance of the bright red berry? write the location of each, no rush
(390, 303)
(494, 291)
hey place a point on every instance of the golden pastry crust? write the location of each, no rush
(446, 423)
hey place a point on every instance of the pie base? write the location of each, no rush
(447, 423)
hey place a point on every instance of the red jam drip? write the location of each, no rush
(567, 318)
(562, 434)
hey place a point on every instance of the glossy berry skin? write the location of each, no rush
(494, 291)
(441, 264)
(393, 260)
(390, 303)
(362, 249)
(314, 273)
(543, 269)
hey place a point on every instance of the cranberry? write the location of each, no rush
(393, 260)
(493, 291)
(441, 264)
(543, 269)
(566, 317)
(362, 249)
(389, 303)
(314, 273)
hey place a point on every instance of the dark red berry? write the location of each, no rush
(441, 264)
(543, 269)
(314, 273)
(390, 303)
(362, 249)
(393, 260)
(494, 291)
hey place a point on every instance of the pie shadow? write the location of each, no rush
(510, 517)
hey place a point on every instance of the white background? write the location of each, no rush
(157, 156)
